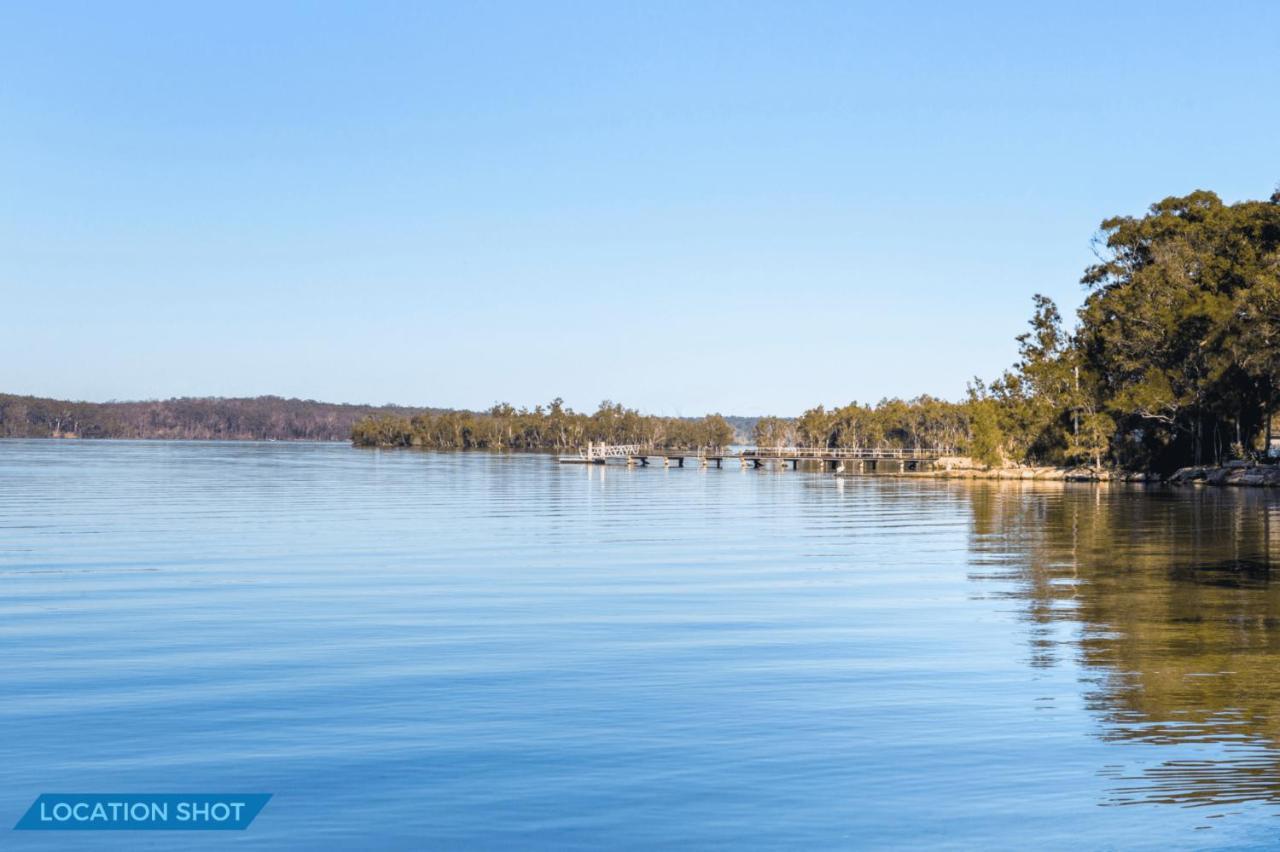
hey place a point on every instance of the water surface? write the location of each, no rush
(417, 650)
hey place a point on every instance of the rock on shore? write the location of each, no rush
(1232, 473)
(961, 467)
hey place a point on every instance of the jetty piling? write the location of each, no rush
(828, 459)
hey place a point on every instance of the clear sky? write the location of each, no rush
(685, 207)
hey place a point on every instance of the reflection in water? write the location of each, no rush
(1165, 600)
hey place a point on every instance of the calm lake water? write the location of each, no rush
(415, 650)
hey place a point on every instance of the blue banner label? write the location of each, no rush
(142, 812)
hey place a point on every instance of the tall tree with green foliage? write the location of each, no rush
(1175, 327)
(986, 445)
(1035, 397)
(1091, 441)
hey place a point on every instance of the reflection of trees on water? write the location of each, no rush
(1170, 601)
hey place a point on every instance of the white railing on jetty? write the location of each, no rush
(844, 453)
(592, 452)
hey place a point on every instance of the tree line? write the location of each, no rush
(924, 422)
(921, 423)
(553, 426)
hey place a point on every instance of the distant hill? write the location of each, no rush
(744, 428)
(197, 418)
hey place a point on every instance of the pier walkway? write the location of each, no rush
(835, 459)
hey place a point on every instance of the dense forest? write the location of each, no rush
(258, 418)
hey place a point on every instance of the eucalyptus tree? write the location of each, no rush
(1178, 326)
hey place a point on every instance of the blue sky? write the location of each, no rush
(686, 207)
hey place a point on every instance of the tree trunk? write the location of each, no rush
(1266, 450)
(1197, 453)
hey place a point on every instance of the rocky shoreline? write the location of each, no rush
(1059, 474)
(1231, 473)
(1238, 473)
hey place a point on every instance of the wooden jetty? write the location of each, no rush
(832, 459)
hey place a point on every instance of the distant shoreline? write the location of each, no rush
(261, 418)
